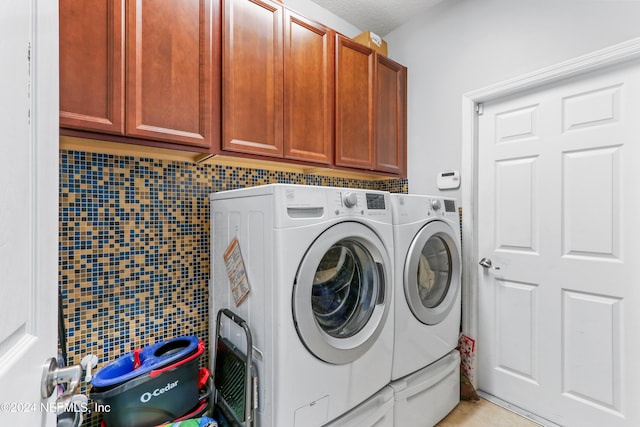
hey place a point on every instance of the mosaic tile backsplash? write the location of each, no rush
(134, 247)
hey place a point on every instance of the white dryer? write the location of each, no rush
(319, 266)
(427, 280)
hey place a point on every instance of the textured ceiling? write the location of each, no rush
(379, 16)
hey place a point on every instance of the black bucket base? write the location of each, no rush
(153, 398)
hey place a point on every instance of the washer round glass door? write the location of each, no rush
(340, 293)
(432, 273)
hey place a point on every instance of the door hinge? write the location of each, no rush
(29, 82)
(479, 109)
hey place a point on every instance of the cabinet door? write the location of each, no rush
(354, 104)
(391, 117)
(92, 65)
(309, 57)
(169, 71)
(252, 91)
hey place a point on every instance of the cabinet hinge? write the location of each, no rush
(479, 109)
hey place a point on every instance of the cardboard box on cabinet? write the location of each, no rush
(373, 41)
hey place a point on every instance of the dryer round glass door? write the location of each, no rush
(432, 272)
(339, 297)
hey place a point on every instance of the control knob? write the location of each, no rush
(435, 204)
(350, 199)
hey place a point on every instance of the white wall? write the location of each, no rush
(311, 10)
(463, 45)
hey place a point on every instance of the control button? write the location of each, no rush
(350, 199)
(435, 204)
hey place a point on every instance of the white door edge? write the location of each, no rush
(599, 59)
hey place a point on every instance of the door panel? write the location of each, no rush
(517, 125)
(591, 229)
(516, 347)
(28, 206)
(593, 108)
(592, 373)
(515, 205)
(558, 216)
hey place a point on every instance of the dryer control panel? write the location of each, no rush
(449, 205)
(411, 208)
(442, 207)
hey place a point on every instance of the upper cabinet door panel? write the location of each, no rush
(391, 101)
(92, 65)
(309, 57)
(354, 104)
(252, 63)
(169, 70)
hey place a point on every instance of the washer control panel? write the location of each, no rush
(359, 202)
(303, 202)
(376, 201)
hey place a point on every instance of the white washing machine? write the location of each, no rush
(319, 266)
(427, 280)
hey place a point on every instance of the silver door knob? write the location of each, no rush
(486, 263)
(53, 375)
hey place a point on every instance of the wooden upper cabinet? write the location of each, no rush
(169, 71)
(235, 76)
(252, 87)
(92, 65)
(371, 110)
(391, 116)
(309, 58)
(354, 105)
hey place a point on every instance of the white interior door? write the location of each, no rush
(559, 217)
(28, 206)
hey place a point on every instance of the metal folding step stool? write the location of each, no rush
(235, 378)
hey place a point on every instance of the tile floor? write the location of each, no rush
(484, 414)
